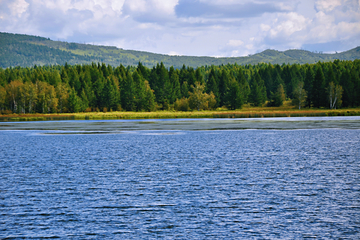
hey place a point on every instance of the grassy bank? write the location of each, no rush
(246, 112)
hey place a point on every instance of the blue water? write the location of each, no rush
(197, 184)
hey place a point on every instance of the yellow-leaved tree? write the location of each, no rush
(200, 100)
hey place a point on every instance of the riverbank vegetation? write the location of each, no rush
(114, 91)
(245, 112)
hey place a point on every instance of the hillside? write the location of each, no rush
(26, 51)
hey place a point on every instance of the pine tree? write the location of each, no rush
(212, 85)
(234, 99)
(162, 86)
(74, 101)
(348, 87)
(296, 77)
(244, 86)
(175, 83)
(355, 81)
(98, 92)
(265, 74)
(308, 86)
(198, 76)
(223, 86)
(319, 93)
(278, 97)
(127, 93)
(190, 78)
(143, 71)
(258, 90)
(139, 91)
(185, 90)
(286, 77)
(149, 103)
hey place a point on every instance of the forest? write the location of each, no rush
(27, 51)
(101, 87)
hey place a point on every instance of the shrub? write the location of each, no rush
(182, 104)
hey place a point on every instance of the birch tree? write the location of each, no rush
(13, 89)
(299, 94)
(29, 95)
(2, 98)
(335, 94)
(62, 94)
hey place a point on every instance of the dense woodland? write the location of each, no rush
(101, 87)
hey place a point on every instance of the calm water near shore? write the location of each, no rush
(181, 178)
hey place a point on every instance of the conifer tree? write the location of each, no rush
(175, 83)
(98, 92)
(127, 93)
(55, 78)
(74, 101)
(185, 90)
(223, 86)
(348, 87)
(265, 74)
(190, 78)
(233, 97)
(278, 97)
(308, 86)
(258, 90)
(319, 93)
(198, 76)
(355, 80)
(286, 77)
(244, 86)
(212, 84)
(139, 91)
(149, 103)
(162, 86)
(143, 71)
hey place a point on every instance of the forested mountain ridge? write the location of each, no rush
(27, 51)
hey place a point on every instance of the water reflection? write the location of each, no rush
(117, 126)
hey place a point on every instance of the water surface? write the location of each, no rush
(278, 178)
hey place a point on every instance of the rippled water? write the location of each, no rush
(178, 183)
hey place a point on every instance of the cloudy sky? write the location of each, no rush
(190, 27)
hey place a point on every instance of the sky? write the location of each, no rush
(217, 28)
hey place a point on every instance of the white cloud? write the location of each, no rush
(343, 22)
(235, 43)
(150, 10)
(287, 24)
(173, 53)
(265, 27)
(327, 5)
(222, 28)
(18, 7)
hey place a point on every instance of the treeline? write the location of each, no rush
(100, 87)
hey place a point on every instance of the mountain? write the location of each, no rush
(26, 51)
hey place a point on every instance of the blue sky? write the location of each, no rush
(184, 27)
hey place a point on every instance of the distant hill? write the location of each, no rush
(26, 51)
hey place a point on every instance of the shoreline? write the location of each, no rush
(264, 112)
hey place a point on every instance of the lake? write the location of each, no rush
(181, 178)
